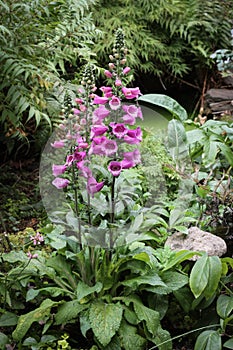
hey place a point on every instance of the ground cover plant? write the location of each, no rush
(100, 276)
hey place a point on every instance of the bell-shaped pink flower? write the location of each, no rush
(106, 89)
(133, 156)
(134, 136)
(131, 93)
(114, 103)
(58, 144)
(69, 159)
(58, 169)
(108, 74)
(100, 100)
(126, 164)
(129, 119)
(100, 114)
(115, 168)
(118, 82)
(98, 130)
(84, 170)
(79, 156)
(119, 129)
(93, 186)
(109, 147)
(60, 183)
(126, 70)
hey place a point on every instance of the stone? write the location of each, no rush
(218, 101)
(199, 241)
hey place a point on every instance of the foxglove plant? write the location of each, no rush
(100, 130)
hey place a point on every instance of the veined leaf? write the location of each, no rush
(166, 102)
(224, 305)
(151, 317)
(215, 271)
(69, 311)
(130, 339)
(25, 321)
(209, 340)
(199, 276)
(105, 320)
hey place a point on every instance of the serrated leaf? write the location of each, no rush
(151, 317)
(174, 280)
(130, 339)
(105, 320)
(25, 321)
(69, 311)
(199, 276)
(151, 279)
(163, 339)
(84, 290)
(208, 340)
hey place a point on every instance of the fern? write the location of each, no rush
(40, 41)
(166, 37)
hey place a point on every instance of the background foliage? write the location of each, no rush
(40, 42)
(166, 38)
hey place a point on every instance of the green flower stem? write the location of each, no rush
(75, 182)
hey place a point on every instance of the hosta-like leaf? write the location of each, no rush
(224, 305)
(215, 271)
(199, 276)
(105, 320)
(166, 102)
(209, 340)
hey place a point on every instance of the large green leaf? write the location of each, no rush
(25, 321)
(177, 141)
(163, 339)
(208, 340)
(199, 276)
(69, 311)
(84, 290)
(151, 317)
(215, 271)
(166, 102)
(224, 305)
(151, 279)
(105, 320)
(229, 344)
(8, 319)
(130, 339)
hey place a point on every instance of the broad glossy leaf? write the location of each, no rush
(229, 344)
(199, 276)
(179, 257)
(177, 141)
(208, 340)
(166, 102)
(224, 305)
(215, 271)
(105, 320)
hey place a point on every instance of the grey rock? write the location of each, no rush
(199, 241)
